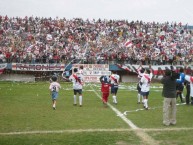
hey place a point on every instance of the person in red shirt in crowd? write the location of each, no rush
(105, 88)
(8, 57)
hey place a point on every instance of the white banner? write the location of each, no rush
(92, 67)
(37, 67)
(92, 72)
(96, 73)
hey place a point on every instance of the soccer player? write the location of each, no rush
(77, 80)
(187, 84)
(105, 87)
(190, 80)
(180, 85)
(54, 89)
(114, 79)
(140, 72)
(145, 86)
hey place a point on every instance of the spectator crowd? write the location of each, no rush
(56, 40)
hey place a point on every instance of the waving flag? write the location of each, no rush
(128, 43)
(128, 68)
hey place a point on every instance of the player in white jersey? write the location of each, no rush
(140, 73)
(114, 79)
(54, 89)
(190, 80)
(77, 80)
(145, 86)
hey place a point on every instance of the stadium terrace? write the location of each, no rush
(36, 40)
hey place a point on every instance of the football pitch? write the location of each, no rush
(27, 117)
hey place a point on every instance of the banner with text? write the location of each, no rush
(92, 72)
(37, 67)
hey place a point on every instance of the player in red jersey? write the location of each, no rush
(105, 88)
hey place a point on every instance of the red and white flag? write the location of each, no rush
(173, 45)
(128, 43)
(124, 67)
(2, 67)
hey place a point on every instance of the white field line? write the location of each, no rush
(140, 133)
(133, 126)
(93, 130)
(152, 108)
(64, 131)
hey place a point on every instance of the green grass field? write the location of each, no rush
(27, 117)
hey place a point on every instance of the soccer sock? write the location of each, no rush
(138, 97)
(181, 97)
(115, 99)
(142, 100)
(145, 103)
(80, 100)
(74, 99)
(177, 96)
(54, 105)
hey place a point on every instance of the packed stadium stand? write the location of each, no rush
(53, 40)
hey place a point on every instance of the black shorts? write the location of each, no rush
(79, 91)
(114, 89)
(145, 94)
(180, 87)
